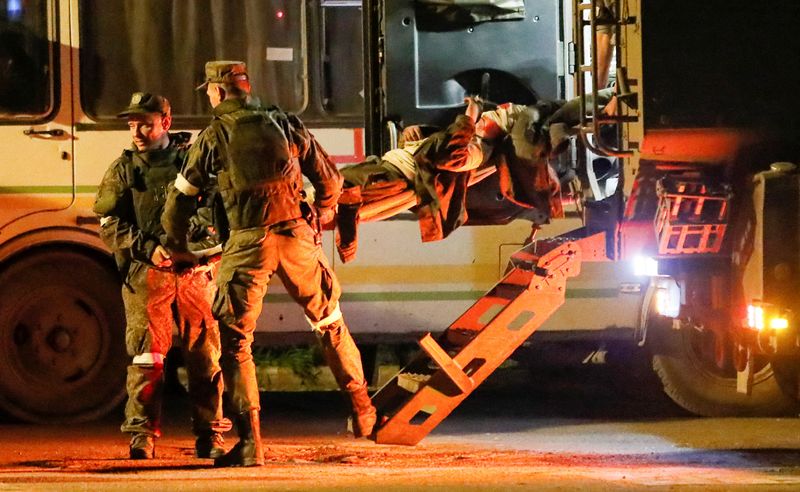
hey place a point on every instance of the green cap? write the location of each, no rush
(225, 72)
(144, 102)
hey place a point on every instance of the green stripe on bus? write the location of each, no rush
(591, 293)
(457, 295)
(45, 190)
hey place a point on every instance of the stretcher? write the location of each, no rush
(383, 207)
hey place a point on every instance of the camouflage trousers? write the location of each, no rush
(249, 259)
(155, 301)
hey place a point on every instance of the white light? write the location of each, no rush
(755, 317)
(14, 10)
(665, 304)
(645, 266)
(667, 297)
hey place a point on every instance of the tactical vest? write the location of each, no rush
(261, 183)
(148, 176)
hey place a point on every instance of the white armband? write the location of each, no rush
(185, 187)
(149, 359)
(336, 315)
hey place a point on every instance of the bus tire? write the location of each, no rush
(62, 338)
(693, 381)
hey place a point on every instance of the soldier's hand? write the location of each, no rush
(611, 107)
(412, 133)
(326, 216)
(474, 107)
(161, 257)
(183, 260)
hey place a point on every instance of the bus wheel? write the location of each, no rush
(62, 338)
(684, 361)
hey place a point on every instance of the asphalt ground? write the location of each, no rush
(578, 428)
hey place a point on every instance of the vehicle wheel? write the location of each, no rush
(684, 362)
(62, 338)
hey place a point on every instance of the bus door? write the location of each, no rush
(36, 137)
(424, 56)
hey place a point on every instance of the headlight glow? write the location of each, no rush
(755, 317)
(645, 266)
(667, 295)
(766, 316)
(778, 323)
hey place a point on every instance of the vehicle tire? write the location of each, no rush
(62, 338)
(681, 359)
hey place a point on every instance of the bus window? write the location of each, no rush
(342, 58)
(161, 46)
(25, 60)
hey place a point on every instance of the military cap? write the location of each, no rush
(144, 102)
(225, 72)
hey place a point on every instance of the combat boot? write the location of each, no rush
(344, 360)
(364, 413)
(209, 445)
(248, 451)
(143, 447)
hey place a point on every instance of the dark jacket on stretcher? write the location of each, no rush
(443, 167)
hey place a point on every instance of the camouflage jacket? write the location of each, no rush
(260, 181)
(131, 199)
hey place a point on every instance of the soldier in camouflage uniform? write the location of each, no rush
(259, 157)
(158, 283)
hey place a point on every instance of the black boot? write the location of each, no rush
(248, 451)
(347, 223)
(143, 447)
(209, 445)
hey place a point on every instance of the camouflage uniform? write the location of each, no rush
(130, 202)
(259, 157)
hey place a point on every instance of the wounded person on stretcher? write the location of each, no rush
(513, 140)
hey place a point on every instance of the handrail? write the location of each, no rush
(394, 134)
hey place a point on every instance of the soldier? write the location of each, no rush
(130, 202)
(256, 159)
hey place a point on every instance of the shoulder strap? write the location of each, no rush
(127, 163)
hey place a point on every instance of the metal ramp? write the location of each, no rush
(444, 373)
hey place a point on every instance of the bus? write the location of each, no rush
(68, 66)
(356, 72)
